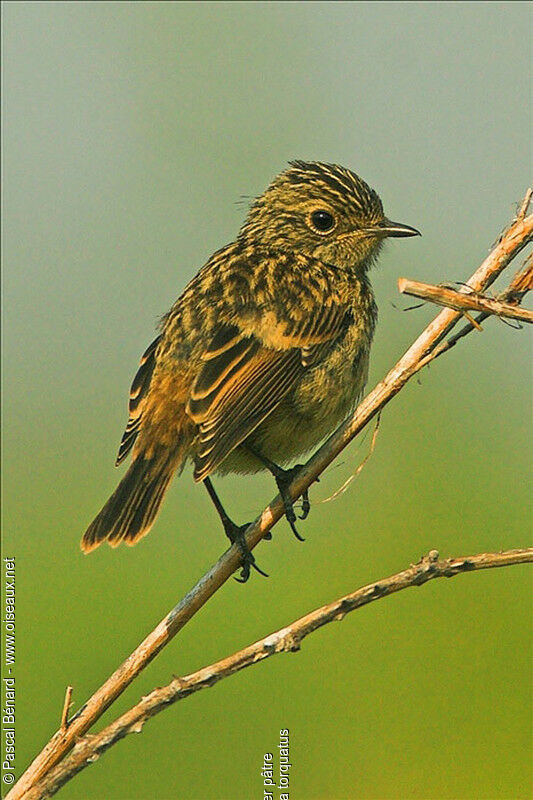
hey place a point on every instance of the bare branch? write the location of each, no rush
(463, 301)
(510, 244)
(288, 639)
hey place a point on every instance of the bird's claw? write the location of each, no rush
(283, 479)
(235, 534)
(247, 562)
(306, 505)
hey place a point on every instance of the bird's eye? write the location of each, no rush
(322, 221)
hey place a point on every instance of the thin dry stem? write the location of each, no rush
(66, 708)
(359, 469)
(509, 245)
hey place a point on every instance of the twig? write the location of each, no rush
(511, 243)
(462, 301)
(66, 707)
(525, 204)
(288, 639)
(521, 284)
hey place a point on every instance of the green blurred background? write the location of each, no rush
(131, 131)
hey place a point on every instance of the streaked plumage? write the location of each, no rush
(266, 348)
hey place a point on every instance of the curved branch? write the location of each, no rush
(287, 639)
(510, 244)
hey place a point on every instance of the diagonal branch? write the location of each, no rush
(288, 639)
(510, 244)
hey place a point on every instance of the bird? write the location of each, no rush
(264, 353)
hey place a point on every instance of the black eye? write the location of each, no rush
(322, 221)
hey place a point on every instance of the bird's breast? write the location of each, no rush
(331, 388)
(324, 396)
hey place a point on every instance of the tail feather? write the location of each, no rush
(131, 510)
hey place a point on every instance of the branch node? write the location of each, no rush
(344, 608)
(137, 726)
(291, 643)
(426, 567)
(181, 683)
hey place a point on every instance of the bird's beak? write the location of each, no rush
(395, 229)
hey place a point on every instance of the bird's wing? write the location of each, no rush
(138, 393)
(245, 375)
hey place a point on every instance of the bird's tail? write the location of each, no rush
(131, 510)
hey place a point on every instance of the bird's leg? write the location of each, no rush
(283, 477)
(235, 534)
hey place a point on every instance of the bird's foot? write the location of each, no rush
(235, 534)
(283, 477)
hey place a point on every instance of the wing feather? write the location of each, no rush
(138, 392)
(220, 372)
(238, 413)
(245, 376)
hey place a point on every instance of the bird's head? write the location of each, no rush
(322, 210)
